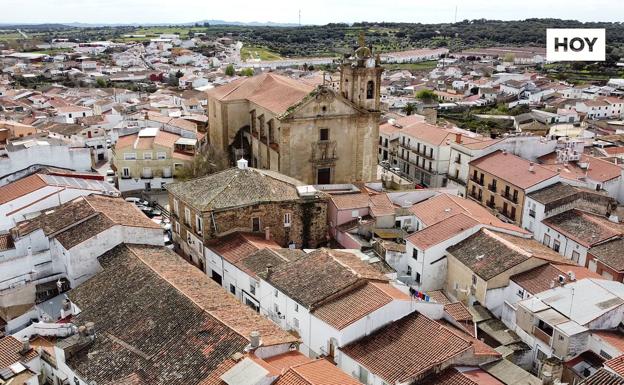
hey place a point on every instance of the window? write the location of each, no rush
(417, 277)
(296, 323)
(255, 224)
(324, 134)
(415, 253)
(370, 89)
(520, 293)
(125, 172)
(297, 307)
(474, 280)
(129, 156)
(575, 256)
(232, 289)
(546, 240)
(161, 155)
(556, 245)
(276, 308)
(252, 288)
(147, 156)
(355, 213)
(187, 216)
(409, 271)
(177, 227)
(176, 207)
(199, 224)
(275, 292)
(287, 219)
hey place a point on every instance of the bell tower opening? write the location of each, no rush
(360, 76)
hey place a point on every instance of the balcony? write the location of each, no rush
(478, 181)
(491, 187)
(324, 152)
(126, 176)
(477, 197)
(457, 160)
(509, 215)
(147, 174)
(541, 335)
(509, 197)
(491, 204)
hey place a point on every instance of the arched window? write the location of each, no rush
(370, 89)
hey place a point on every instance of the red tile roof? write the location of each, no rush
(441, 231)
(410, 347)
(512, 169)
(540, 278)
(616, 364)
(21, 187)
(233, 248)
(611, 337)
(10, 352)
(317, 372)
(358, 303)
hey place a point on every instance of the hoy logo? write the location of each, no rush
(575, 44)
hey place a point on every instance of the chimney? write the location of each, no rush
(90, 328)
(254, 339)
(269, 270)
(458, 138)
(82, 331)
(267, 233)
(25, 347)
(242, 164)
(504, 152)
(531, 167)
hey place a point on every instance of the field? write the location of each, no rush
(253, 52)
(420, 66)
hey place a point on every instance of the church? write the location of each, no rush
(315, 134)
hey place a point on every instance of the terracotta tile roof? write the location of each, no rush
(583, 227)
(235, 187)
(285, 361)
(317, 372)
(166, 139)
(381, 205)
(82, 218)
(274, 92)
(10, 352)
(408, 348)
(553, 193)
(610, 253)
(612, 337)
(458, 311)
(439, 297)
(487, 255)
(319, 275)
(176, 122)
(616, 364)
(603, 377)
(599, 169)
(465, 376)
(350, 201)
(21, 187)
(441, 231)
(209, 296)
(540, 278)
(443, 206)
(513, 169)
(258, 261)
(238, 246)
(358, 303)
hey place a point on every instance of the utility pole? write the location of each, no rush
(300, 18)
(455, 13)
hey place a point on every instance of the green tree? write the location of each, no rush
(509, 58)
(100, 82)
(426, 95)
(206, 162)
(247, 72)
(229, 70)
(409, 108)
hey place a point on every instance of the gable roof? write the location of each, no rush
(488, 253)
(317, 372)
(319, 275)
(269, 90)
(356, 304)
(603, 377)
(583, 227)
(410, 347)
(441, 231)
(238, 246)
(540, 278)
(10, 352)
(236, 187)
(178, 331)
(513, 169)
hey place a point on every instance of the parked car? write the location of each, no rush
(168, 241)
(138, 201)
(110, 172)
(396, 170)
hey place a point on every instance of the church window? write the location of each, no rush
(370, 90)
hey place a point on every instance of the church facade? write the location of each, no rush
(316, 134)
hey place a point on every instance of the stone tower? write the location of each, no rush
(360, 77)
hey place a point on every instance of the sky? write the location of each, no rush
(312, 11)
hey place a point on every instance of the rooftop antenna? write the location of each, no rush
(300, 18)
(455, 13)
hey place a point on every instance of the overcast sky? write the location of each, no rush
(312, 11)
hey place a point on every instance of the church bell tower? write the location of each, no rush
(360, 77)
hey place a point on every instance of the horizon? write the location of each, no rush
(161, 12)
